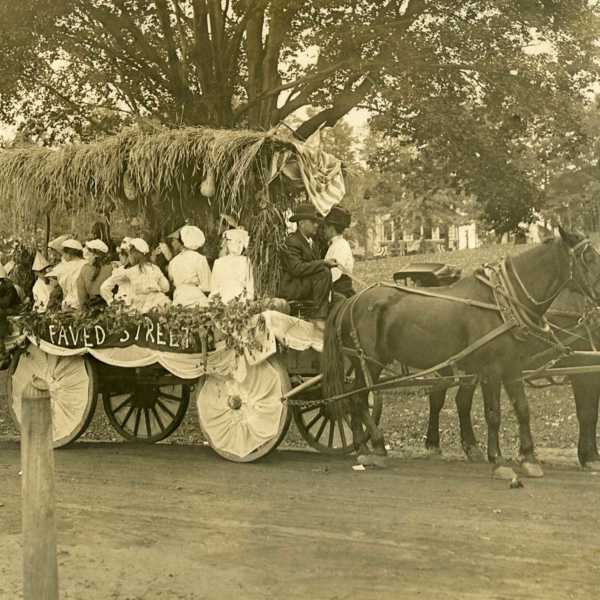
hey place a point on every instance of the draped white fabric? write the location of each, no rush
(239, 416)
(290, 331)
(251, 378)
(68, 384)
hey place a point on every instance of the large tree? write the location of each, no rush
(504, 109)
(78, 67)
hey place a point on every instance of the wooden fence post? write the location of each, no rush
(40, 568)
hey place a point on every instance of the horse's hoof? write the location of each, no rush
(515, 484)
(474, 454)
(380, 451)
(532, 469)
(372, 460)
(433, 451)
(503, 472)
(592, 465)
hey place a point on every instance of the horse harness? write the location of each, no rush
(516, 317)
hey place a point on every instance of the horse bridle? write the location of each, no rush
(575, 264)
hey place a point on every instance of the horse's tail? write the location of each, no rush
(332, 358)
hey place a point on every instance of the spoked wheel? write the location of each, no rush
(146, 412)
(72, 385)
(245, 420)
(327, 427)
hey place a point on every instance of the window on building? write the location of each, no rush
(388, 230)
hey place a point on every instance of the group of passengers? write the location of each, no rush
(77, 275)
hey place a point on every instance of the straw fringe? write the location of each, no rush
(164, 165)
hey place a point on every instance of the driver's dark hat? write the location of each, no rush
(305, 212)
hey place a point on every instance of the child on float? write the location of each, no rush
(55, 248)
(115, 288)
(189, 270)
(94, 273)
(67, 273)
(148, 286)
(44, 286)
(232, 274)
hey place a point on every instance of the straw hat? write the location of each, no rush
(192, 237)
(40, 263)
(56, 243)
(72, 244)
(97, 246)
(140, 245)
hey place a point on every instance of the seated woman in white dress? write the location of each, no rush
(148, 287)
(189, 270)
(67, 273)
(232, 274)
(97, 270)
(116, 288)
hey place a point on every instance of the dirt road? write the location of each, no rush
(177, 522)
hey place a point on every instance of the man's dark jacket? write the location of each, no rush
(304, 273)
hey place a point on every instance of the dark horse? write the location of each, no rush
(384, 324)
(569, 316)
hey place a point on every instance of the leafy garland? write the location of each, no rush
(238, 323)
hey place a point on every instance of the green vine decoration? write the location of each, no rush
(239, 323)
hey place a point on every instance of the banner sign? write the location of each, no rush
(148, 333)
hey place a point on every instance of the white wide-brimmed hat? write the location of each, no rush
(237, 235)
(56, 243)
(72, 244)
(175, 234)
(140, 245)
(40, 263)
(97, 246)
(192, 237)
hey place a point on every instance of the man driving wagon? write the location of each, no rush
(306, 276)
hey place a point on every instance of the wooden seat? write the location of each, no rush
(428, 274)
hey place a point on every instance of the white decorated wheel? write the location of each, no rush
(245, 420)
(71, 382)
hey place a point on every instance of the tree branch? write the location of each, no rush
(342, 104)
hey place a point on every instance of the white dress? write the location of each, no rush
(147, 287)
(67, 274)
(339, 248)
(232, 277)
(190, 274)
(116, 279)
(41, 295)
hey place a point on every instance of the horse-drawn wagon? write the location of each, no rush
(145, 379)
(246, 391)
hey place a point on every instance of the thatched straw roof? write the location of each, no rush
(156, 169)
(155, 159)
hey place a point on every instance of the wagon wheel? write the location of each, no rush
(327, 428)
(144, 411)
(73, 385)
(257, 416)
